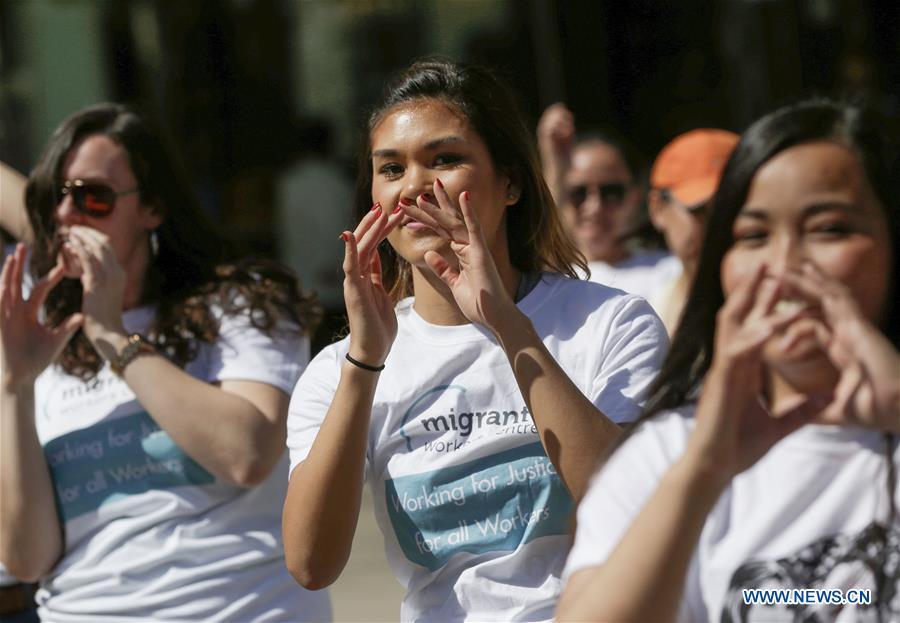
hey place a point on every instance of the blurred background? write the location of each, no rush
(266, 99)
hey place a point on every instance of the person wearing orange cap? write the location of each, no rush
(682, 182)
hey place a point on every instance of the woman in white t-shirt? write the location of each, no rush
(597, 182)
(145, 390)
(447, 395)
(762, 484)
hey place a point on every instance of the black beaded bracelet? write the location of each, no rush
(364, 366)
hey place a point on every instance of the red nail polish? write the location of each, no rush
(466, 194)
(437, 181)
(427, 197)
(345, 236)
(397, 209)
(405, 201)
(375, 207)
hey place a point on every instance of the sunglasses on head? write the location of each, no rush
(93, 199)
(611, 194)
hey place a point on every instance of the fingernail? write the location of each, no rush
(425, 197)
(466, 194)
(345, 236)
(405, 201)
(438, 182)
(397, 209)
(375, 206)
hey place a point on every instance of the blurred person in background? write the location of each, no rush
(144, 394)
(682, 182)
(447, 395)
(768, 454)
(597, 181)
(315, 199)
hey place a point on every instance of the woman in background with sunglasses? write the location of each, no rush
(144, 394)
(596, 180)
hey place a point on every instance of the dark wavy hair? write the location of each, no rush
(188, 276)
(868, 134)
(537, 239)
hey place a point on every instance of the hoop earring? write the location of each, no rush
(154, 243)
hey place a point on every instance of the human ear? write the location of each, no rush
(513, 189)
(152, 215)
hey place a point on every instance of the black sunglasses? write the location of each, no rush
(610, 194)
(92, 198)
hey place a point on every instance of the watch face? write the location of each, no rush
(137, 345)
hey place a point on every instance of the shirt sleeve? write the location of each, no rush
(310, 401)
(245, 353)
(621, 489)
(632, 354)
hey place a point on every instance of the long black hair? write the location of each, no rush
(187, 274)
(857, 127)
(537, 239)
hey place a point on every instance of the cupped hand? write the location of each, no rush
(734, 428)
(27, 346)
(471, 273)
(868, 390)
(370, 311)
(103, 282)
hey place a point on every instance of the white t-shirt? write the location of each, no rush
(149, 533)
(812, 513)
(476, 521)
(646, 273)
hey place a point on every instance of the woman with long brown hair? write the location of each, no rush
(145, 390)
(447, 394)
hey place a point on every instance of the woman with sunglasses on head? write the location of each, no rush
(596, 180)
(447, 395)
(144, 396)
(768, 457)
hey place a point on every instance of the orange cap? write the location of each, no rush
(690, 166)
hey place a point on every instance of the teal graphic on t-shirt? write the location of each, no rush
(495, 503)
(114, 458)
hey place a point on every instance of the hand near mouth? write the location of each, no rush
(438, 213)
(66, 256)
(473, 278)
(868, 390)
(370, 311)
(27, 346)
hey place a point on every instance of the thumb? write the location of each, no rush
(441, 267)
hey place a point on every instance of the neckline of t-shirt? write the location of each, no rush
(822, 438)
(464, 333)
(640, 259)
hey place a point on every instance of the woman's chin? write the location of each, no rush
(805, 364)
(413, 246)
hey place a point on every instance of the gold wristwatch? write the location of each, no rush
(137, 345)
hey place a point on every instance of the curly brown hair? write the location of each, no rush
(188, 279)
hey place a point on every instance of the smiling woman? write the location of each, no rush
(447, 392)
(143, 423)
(768, 456)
